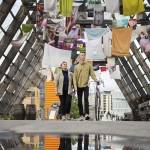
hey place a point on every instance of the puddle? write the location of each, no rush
(13, 141)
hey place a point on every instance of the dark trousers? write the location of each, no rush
(80, 141)
(65, 143)
(65, 104)
(80, 92)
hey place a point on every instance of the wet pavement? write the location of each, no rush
(27, 141)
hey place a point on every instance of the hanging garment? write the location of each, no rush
(132, 7)
(19, 42)
(120, 21)
(110, 61)
(114, 72)
(121, 38)
(95, 33)
(147, 48)
(103, 68)
(44, 23)
(75, 14)
(137, 32)
(53, 57)
(66, 7)
(98, 16)
(145, 44)
(94, 50)
(74, 32)
(112, 6)
(27, 27)
(107, 16)
(50, 6)
(107, 43)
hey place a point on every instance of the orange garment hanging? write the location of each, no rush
(121, 38)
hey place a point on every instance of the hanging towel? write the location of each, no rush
(115, 72)
(95, 33)
(50, 6)
(112, 6)
(94, 50)
(107, 40)
(110, 61)
(121, 38)
(98, 15)
(66, 7)
(132, 7)
(53, 56)
(120, 21)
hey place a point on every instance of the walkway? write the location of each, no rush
(138, 129)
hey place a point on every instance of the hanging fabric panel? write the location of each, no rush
(66, 7)
(94, 33)
(112, 6)
(94, 50)
(50, 6)
(132, 7)
(121, 38)
(53, 56)
(107, 43)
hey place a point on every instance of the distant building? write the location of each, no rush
(119, 103)
(106, 102)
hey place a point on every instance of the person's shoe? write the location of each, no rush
(63, 118)
(81, 118)
(68, 117)
(87, 117)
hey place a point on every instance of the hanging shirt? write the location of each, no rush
(132, 7)
(121, 38)
(66, 7)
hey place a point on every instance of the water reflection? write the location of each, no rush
(13, 141)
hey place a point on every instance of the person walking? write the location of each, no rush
(64, 86)
(82, 72)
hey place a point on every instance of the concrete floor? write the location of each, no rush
(136, 129)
